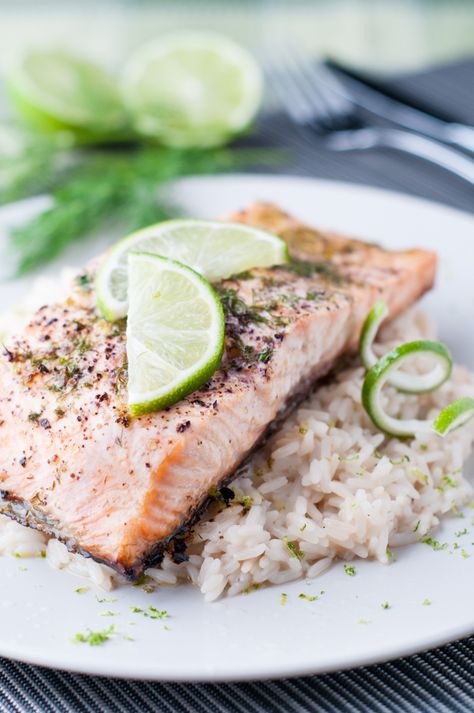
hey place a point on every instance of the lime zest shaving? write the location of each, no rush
(386, 369)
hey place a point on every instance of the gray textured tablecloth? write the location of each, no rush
(441, 680)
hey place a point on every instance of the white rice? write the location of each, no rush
(327, 485)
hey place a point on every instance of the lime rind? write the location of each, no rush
(454, 416)
(402, 381)
(217, 250)
(380, 373)
(182, 381)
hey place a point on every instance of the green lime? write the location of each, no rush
(216, 250)
(55, 91)
(192, 89)
(175, 332)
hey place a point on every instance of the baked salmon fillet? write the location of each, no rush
(75, 465)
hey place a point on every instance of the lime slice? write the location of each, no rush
(54, 90)
(215, 250)
(175, 332)
(192, 89)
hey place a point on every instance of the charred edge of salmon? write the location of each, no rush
(172, 543)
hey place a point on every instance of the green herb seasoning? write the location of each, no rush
(308, 269)
(350, 570)
(294, 549)
(435, 544)
(307, 597)
(151, 612)
(253, 588)
(95, 638)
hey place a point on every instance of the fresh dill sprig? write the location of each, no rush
(118, 189)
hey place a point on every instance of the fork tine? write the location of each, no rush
(296, 102)
(337, 108)
(336, 93)
(317, 112)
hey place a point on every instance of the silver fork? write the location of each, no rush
(314, 98)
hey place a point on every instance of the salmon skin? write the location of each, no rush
(76, 466)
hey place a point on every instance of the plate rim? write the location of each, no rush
(275, 670)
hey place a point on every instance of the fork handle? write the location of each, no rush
(413, 144)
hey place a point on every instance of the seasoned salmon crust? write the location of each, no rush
(75, 465)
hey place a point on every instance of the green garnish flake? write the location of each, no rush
(348, 459)
(460, 533)
(386, 605)
(417, 526)
(81, 590)
(426, 602)
(283, 599)
(140, 580)
(42, 554)
(363, 621)
(151, 612)
(252, 588)
(307, 597)
(350, 570)
(465, 554)
(246, 501)
(389, 554)
(449, 481)
(303, 527)
(294, 549)
(436, 545)
(157, 614)
(109, 613)
(418, 475)
(105, 600)
(95, 638)
(265, 355)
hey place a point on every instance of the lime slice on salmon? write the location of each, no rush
(54, 90)
(175, 332)
(192, 89)
(214, 249)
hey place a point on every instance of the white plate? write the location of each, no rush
(254, 636)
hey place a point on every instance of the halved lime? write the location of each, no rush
(214, 249)
(175, 332)
(55, 90)
(192, 89)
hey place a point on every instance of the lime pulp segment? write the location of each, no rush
(56, 90)
(192, 89)
(175, 332)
